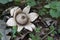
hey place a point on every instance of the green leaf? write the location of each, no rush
(52, 28)
(47, 6)
(14, 30)
(37, 37)
(34, 37)
(54, 13)
(17, 1)
(49, 38)
(42, 11)
(5, 1)
(37, 30)
(53, 5)
(54, 9)
(0, 35)
(31, 2)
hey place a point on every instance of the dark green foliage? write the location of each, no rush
(31, 2)
(14, 30)
(49, 38)
(5, 1)
(54, 9)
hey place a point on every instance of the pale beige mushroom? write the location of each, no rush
(22, 19)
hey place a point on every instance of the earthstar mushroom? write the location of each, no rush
(22, 18)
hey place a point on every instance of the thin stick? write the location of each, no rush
(47, 34)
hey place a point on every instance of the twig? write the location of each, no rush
(47, 34)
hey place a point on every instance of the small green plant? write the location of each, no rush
(36, 36)
(5, 1)
(14, 30)
(54, 9)
(0, 36)
(53, 28)
(17, 2)
(31, 2)
(50, 38)
(42, 12)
